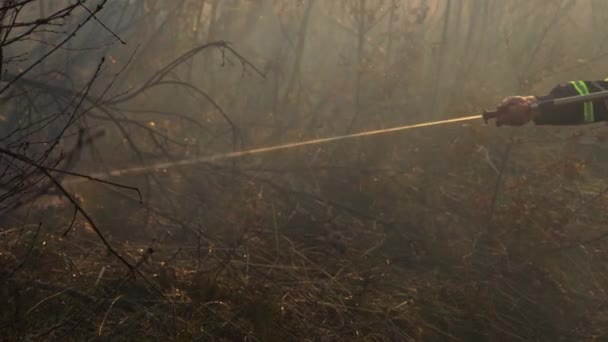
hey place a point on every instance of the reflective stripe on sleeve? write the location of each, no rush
(582, 89)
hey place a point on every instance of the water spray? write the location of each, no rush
(260, 150)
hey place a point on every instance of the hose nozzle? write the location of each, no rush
(489, 115)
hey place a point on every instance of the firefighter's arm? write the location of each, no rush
(517, 111)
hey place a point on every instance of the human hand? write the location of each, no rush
(515, 111)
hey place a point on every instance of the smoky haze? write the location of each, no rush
(136, 202)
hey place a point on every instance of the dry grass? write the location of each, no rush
(381, 259)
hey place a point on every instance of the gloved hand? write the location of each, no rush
(515, 111)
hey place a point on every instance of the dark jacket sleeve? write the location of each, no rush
(573, 114)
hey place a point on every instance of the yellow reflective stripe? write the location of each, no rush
(589, 112)
(579, 90)
(582, 89)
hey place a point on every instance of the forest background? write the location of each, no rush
(458, 233)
